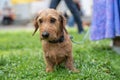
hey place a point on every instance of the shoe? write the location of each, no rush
(81, 32)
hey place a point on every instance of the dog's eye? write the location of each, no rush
(52, 20)
(40, 20)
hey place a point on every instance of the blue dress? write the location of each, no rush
(105, 19)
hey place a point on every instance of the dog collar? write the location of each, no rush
(60, 40)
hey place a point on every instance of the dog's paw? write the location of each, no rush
(49, 70)
(76, 71)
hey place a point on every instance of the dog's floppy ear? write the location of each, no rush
(35, 25)
(63, 23)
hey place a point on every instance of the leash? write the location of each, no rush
(83, 40)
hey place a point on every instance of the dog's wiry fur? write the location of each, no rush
(53, 22)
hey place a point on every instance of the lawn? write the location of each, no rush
(21, 58)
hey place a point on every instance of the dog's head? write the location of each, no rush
(50, 23)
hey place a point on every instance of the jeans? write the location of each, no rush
(71, 21)
(70, 4)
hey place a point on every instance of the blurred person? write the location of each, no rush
(8, 15)
(73, 8)
(71, 20)
(106, 21)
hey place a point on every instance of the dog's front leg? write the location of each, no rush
(49, 65)
(69, 64)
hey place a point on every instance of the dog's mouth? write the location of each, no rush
(48, 38)
(42, 38)
(53, 40)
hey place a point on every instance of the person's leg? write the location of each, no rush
(116, 41)
(75, 13)
(9, 21)
(54, 3)
(71, 21)
(5, 20)
(116, 44)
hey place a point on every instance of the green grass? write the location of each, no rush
(21, 58)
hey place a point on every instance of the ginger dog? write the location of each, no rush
(56, 42)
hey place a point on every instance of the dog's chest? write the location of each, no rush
(55, 56)
(56, 53)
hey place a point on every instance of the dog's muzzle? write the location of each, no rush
(45, 34)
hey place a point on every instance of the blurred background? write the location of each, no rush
(21, 54)
(23, 11)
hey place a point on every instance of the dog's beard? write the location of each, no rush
(50, 38)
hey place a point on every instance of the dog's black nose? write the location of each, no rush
(45, 34)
